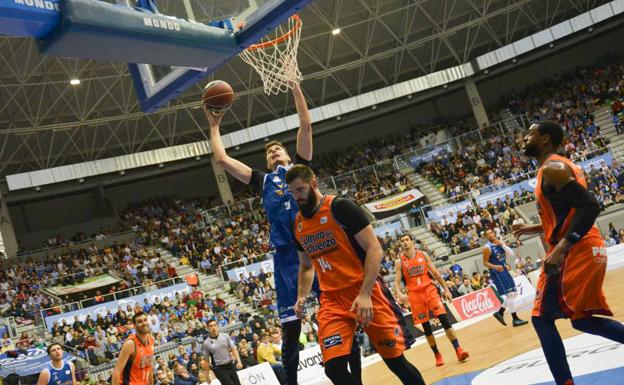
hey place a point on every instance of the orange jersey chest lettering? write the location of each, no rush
(336, 261)
(415, 271)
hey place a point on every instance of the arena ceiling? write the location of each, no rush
(46, 122)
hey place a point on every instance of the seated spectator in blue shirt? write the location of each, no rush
(183, 377)
(456, 268)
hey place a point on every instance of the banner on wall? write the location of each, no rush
(256, 375)
(437, 214)
(112, 306)
(310, 368)
(394, 202)
(27, 364)
(254, 268)
(477, 303)
(90, 283)
(428, 156)
(526, 293)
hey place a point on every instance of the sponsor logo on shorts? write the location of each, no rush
(421, 315)
(323, 220)
(330, 341)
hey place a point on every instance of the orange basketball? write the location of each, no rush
(218, 95)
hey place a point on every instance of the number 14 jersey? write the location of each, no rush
(327, 237)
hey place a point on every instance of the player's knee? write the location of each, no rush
(427, 328)
(583, 324)
(446, 324)
(336, 369)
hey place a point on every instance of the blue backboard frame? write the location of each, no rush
(157, 94)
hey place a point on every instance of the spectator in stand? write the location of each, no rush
(453, 288)
(456, 268)
(247, 358)
(267, 352)
(183, 377)
(465, 287)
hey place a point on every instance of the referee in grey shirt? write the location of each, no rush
(219, 349)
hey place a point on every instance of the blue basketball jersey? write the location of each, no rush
(497, 254)
(503, 280)
(280, 206)
(60, 376)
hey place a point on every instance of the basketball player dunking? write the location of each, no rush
(415, 269)
(570, 283)
(134, 365)
(281, 210)
(59, 371)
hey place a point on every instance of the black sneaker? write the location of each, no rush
(519, 322)
(499, 317)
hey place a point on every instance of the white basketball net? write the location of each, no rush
(275, 59)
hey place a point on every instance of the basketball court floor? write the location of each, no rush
(512, 356)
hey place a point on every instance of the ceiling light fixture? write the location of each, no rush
(335, 31)
(74, 82)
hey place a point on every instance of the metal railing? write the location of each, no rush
(77, 305)
(223, 268)
(37, 253)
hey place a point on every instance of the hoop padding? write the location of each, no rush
(275, 59)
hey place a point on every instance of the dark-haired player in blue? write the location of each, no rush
(58, 371)
(495, 254)
(281, 209)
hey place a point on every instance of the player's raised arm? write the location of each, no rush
(237, 169)
(304, 135)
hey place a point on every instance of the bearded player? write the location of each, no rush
(335, 239)
(414, 268)
(134, 364)
(570, 282)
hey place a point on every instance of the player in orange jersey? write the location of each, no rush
(134, 365)
(570, 283)
(335, 239)
(414, 268)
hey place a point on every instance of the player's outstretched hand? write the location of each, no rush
(363, 308)
(213, 119)
(521, 229)
(299, 307)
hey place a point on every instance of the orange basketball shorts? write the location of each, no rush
(576, 291)
(337, 323)
(423, 302)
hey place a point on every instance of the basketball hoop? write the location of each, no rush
(275, 60)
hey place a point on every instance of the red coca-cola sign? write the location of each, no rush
(477, 303)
